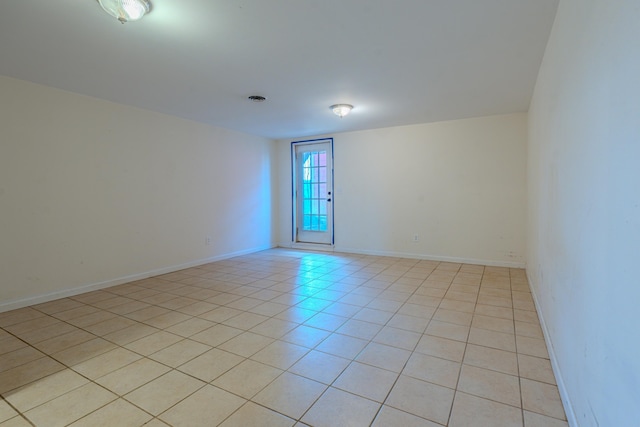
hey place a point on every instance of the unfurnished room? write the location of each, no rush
(327, 213)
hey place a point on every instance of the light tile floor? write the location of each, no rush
(284, 338)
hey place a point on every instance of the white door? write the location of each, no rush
(313, 189)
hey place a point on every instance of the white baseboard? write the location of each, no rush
(564, 396)
(38, 299)
(429, 257)
(310, 247)
(338, 248)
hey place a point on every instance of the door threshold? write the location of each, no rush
(313, 246)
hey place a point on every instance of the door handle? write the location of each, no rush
(328, 200)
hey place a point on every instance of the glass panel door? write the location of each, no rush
(313, 173)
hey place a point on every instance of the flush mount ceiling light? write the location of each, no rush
(126, 10)
(341, 110)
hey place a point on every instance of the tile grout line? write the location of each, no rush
(466, 344)
(515, 333)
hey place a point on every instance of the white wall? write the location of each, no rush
(460, 185)
(584, 193)
(93, 193)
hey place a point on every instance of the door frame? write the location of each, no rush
(294, 204)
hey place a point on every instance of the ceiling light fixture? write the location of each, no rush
(341, 110)
(126, 10)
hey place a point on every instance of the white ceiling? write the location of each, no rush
(398, 62)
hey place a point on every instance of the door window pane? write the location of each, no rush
(314, 178)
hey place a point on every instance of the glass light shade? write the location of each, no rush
(126, 10)
(341, 110)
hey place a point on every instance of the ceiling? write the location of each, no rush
(398, 62)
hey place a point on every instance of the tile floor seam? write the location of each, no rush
(464, 352)
(255, 403)
(288, 416)
(89, 380)
(17, 411)
(57, 397)
(515, 331)
(168, 408)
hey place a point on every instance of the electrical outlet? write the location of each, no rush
(416, 238)
(207, 241)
